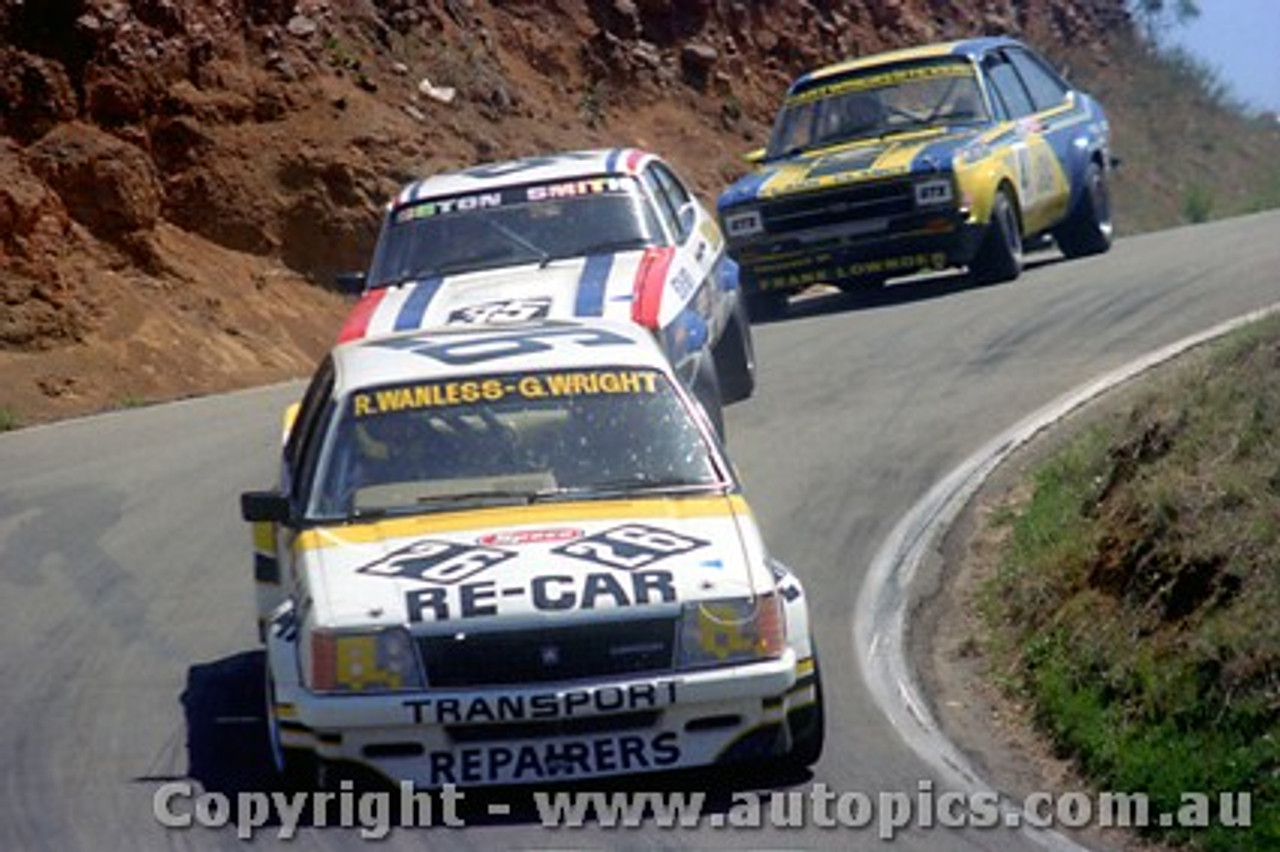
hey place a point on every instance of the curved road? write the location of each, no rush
(127, 650)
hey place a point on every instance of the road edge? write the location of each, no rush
(891, 587)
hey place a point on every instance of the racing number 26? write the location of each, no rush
(631, 546)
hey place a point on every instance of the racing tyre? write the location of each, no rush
(808, 728)
(766, 304)
(1000, 256)
(735, 359)
(1088, 229)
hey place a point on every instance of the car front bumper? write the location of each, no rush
(549, 732)
(856, 250)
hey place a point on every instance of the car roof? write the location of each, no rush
(563, 344)
(964, 49)
(562, 166)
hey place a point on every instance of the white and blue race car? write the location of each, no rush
(518, 554)
(606, 233)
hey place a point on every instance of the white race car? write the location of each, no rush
(613, 233)
(519, 555)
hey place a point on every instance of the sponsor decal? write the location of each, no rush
(515, 538)
(863, 82)
(501, 311)
(445, 394)
(545, 593)
(575, 188)
(841, 272)
(542, 761)
(558, 704)
(630, 546)
(507, 196)
(683, 283)
(436, 562)
(441, 206)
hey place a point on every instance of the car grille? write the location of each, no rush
(598, 649)
(814, 210)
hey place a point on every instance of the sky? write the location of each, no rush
(1240, 39)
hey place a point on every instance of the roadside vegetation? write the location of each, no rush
(1189, 150)
(1136, 606)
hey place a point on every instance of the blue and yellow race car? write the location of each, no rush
(926, 158)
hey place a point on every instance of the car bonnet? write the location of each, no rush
(920, 153)
(585, 559)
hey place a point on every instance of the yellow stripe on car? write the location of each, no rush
(708, 507)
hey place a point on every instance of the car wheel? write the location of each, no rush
(735, 359)
(1000, 256)
(766, 304)
(808, 727)
(1088, 229)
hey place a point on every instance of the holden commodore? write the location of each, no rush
(613, 233)
(926, 158)
(518, 554)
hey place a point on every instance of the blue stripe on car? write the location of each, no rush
(415, 306)
(611, 162)
(595, 275)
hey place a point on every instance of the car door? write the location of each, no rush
(688, 313)
(305, 424)
(1041, 180)
(685, 311)
(1061, 118)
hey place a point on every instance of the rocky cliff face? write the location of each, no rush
(173, 173)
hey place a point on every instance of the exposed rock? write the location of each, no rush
(696, 62)
(107, 185)
(35, 95)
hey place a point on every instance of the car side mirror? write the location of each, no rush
(269, 506)
(350, 283)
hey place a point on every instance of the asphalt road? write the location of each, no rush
(127, 650)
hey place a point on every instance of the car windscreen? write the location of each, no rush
(511, 438)
(878, 101)
(529, 223)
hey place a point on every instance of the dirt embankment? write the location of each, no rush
(179, 179)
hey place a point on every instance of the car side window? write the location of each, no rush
(679, 197)
(306, 425)
(666, 205)
(1008, 87)
(1047, 89)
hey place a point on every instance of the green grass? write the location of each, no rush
(131, 401)
(1137, 604)
(9, 419)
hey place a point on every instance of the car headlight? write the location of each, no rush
(376, 661)
(731, 630)
(743, 223)
(930, 193)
